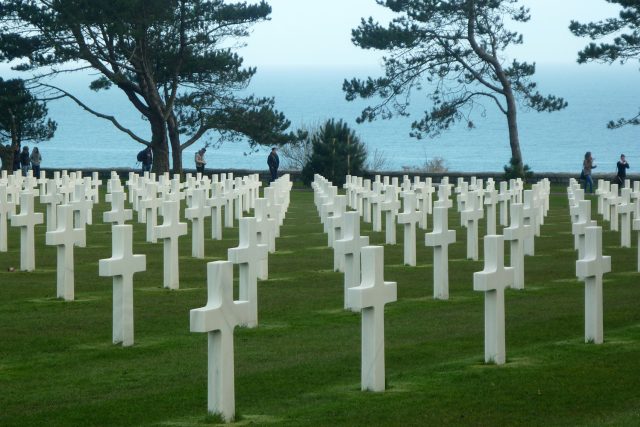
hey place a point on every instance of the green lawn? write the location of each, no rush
(301, 366)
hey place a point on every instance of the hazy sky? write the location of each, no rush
(318, 32)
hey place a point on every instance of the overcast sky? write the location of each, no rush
(317, 32)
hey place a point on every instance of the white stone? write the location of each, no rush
(390, 207)
(349, 248)
(530, 217)
(218, 319)
(517, 233)
(493, 280)
(612, 201)
(27, 219)
(248, 255)
(490, 201)
(65, 237)
(470, 217)
(118, 215)
(625, 208)
(409, 218)
(50, 198)
(591, 269)
(265, 228)
(371, 296)
(579, 227)
(169, 232)
(196, 213)
(149, 206)
(440, 239)
(6, 209)
(121, 266)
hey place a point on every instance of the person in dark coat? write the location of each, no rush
(622, 167)
(25, 160)
(16, 159)
(274, 162)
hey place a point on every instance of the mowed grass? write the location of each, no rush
(301, 366)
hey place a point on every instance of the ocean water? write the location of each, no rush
(553, 142)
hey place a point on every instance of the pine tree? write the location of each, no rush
(337, 152)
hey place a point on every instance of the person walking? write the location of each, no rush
(274, 162)
(25, 162)
(587, 166)
(35, 158)
(622, 167)
(200, 163)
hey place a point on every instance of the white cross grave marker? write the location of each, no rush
(170, 231)
(409, 217)
(65, 237)
(196, 213)
(390, 207)
(118, 214)
(440, 239)
(121, 266)
(349, 248)
(591, 269)
(27, 219)
(470, 217)
(370, 297)
(493, 280)
(248, 255)
(218, 319)
(517, 234)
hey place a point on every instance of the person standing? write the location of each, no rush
(622, 167)
(274, 162)
(200, 163)
(35, 158)
(146, 159)
(25, 162)
(587, 166)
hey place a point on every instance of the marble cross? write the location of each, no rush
(149, 206)
(248, 255)
(530, 217)
(613, 199)
(440, 238)
(579, 227)
(390, 207)
(118, 214)
(349, 248)
(121, 266)
(170, 231)
(470, 217)
(490, 201)
(196, 214)
(218, 319)
(27, 219)
(371, 296)
(493, 280)
(625, 208)
(517, 233)
(335, 227)
(503, 200)
(265, 233)
(65, 237)
(6, 209)
(410, 218)
(51, 198)
(591, 268)
(216, 203)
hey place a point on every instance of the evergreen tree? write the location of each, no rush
(23, 118)
(623, 43)
(337, 152)
(455, 49)
(173, 59)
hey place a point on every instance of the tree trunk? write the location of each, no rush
(514, 139)
(174, 139)
(159, 145)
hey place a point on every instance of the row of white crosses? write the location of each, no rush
(591, 265)
(219, 317)
(68, 189)
(368, 293)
